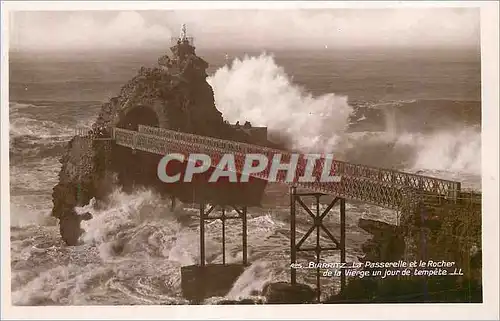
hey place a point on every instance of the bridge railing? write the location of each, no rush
(355, 188)
(425, 184)
(381, 186)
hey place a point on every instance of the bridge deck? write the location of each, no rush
(383, 187)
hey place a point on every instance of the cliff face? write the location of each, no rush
(448, 232)
(174, 95)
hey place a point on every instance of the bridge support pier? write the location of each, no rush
(205, 216)
(214, 279)
(318, 226)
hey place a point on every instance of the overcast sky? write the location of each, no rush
(423, 27)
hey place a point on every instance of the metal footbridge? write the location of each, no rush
(383, 187)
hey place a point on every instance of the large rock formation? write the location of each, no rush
(449, 231)
(174, 95)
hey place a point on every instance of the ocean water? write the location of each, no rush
(413, 111)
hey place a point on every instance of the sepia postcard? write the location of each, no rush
(277, 160)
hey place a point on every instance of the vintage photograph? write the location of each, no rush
(245, 156)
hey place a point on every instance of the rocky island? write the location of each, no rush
(174, 95)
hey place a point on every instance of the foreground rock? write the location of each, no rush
(387, 242)
(449, 232)
(283, 292)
